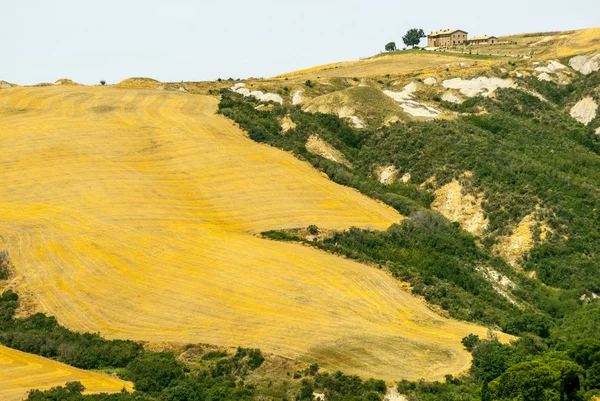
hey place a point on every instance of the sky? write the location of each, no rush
(184, 40)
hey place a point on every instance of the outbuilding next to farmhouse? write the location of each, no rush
(483, 40)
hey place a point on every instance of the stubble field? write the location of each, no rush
(20, 372)
(135, 213)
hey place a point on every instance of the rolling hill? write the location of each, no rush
(134, 213)
(454, 183)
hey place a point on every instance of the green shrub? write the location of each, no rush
(42, 335)
(214, 355)
(153, 372)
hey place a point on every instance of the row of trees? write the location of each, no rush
(412, 38)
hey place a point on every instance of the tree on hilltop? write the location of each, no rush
(390, 47)
(413, 37)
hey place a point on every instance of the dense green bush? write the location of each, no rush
(581, 324)
(161, 377)
(440, 261)
(551, 377)
(42, 335)
(338, 387)
(524, 153)
(153, 372)
(3, 265)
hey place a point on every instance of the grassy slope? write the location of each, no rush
(20, 372)
(403, 62)
(553, 44)
(369, 104)
(132, 213)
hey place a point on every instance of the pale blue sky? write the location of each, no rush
(90, 40)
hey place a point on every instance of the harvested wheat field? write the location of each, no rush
(401, 63)
(21, 372)
(135, 213)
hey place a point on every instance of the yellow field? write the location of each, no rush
(21, 372)
(391, 64)
(586, 41)
(134, 213)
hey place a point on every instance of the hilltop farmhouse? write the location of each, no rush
(457, 37)
(447, 38)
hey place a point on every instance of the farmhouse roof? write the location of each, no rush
(482, 37)
(446, 32)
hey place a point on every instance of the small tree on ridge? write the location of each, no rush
(413, 37)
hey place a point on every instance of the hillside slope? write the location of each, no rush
(517, 165)
(393, 63)
(133, 213)
(21, 372)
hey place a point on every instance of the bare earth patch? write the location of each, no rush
(585, 110)
(386, 174)
(452, 202)
(393, 395)
(500, 283)
(287, 124)
(585, 65)
(478, 86)
(411, 106)
(518, 244)
(578, 62)
(241, 89)
(298, 98)
(452, 98)
(318, 146)
(544, 76)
